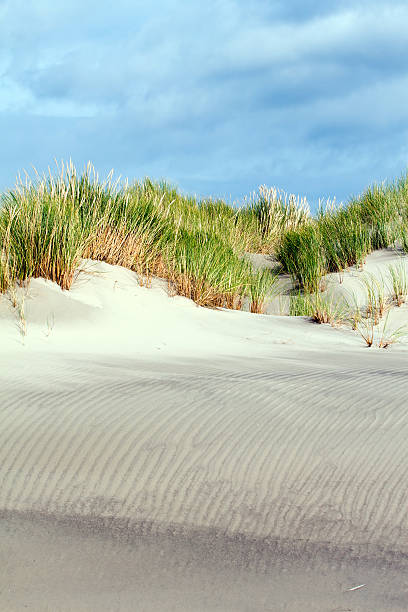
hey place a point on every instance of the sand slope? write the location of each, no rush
(305, 451)
(150, 414)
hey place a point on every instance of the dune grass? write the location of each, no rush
(378, 301)
(271, 213)
(49, 223)
(343, 236)
(381, 295)
(389, 337)
(399, 283)
(369, 330)
(300, 254)
(319, 307)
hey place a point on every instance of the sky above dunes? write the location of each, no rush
(217, 97)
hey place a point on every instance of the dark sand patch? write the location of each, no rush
(68, 565)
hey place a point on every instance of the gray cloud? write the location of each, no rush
(218, 97)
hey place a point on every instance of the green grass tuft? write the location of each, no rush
(47, 225)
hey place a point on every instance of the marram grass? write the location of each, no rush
(343, 236)
(48, 224)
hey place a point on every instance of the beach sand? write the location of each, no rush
(155, 455)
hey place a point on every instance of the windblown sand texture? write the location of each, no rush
(276, 444)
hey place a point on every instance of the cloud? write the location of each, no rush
(222, 95)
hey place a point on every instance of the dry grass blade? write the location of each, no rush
(388, 338)
(399, 281)
(378, 302)
(366, 329)
(354, 316)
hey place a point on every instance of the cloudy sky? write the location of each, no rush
(218, 96)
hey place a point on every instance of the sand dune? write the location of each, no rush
(145, 414)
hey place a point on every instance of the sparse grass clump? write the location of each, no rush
(319, 307)
(378, 302)
(386, 337)
(391, 337)
(399, 282)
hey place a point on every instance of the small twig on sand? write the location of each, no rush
(360, 586)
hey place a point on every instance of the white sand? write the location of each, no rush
(141, 413)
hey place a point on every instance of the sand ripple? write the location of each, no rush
(311, 450)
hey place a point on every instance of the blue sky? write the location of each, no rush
(218, 97)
